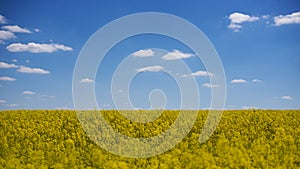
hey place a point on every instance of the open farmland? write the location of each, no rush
(243, 139)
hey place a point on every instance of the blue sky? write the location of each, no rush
(257, 42)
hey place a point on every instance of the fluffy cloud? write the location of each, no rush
(236, 19)
(36, 30)
(199, 73)
(86, 80)
(37, 48)
(155, 68)
(202, 73)
(209, 85)
(6, 78)
(3, 20)
(293, 18)
(24, 69)
(239, 81)
(27, 92)
(265, 16)
(16, 29)
(6, 65)
(14, 60)
(176, 54)
(2, 101)
(256, 80)
(143, 53)
(5, 35)
(287, 97)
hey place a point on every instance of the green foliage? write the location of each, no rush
(243, 139)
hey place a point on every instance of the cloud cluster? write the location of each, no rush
(24, 69)
(293, 18)
(202, 73)
(86, 80)
(236, 20)
(238, 81)
(4, 65)
(37, 47)
(6, 78)
(7, 31)
(143, 53)
(155, 68)
(3, 20)
(287, 98)
(173, 55)
(199, 73)
(28, 92)
(15, 29)
(5, 35)
(245, 81)
(176, 54)
(209, 85)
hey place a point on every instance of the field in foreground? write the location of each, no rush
(243, 139)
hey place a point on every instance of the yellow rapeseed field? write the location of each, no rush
(243, 139)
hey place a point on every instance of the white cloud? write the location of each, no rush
(37, 48)
(236, 19)
(3, 20)
(155, 68)
(37, 30)
(256, 80)
(86, 80)
(62, 47)
(2, 101)
(14, 60)
(16, 29)
(239, 81)
(143, 53)
(27, 92)
(293, 18)
(24, 69)
(6, 78)
(265, 16)
(198, 73)
(27, 61)
(202, 73)
(176, 54)
(209, 85)
(287, 97)
(6, 65)
(5, 35)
